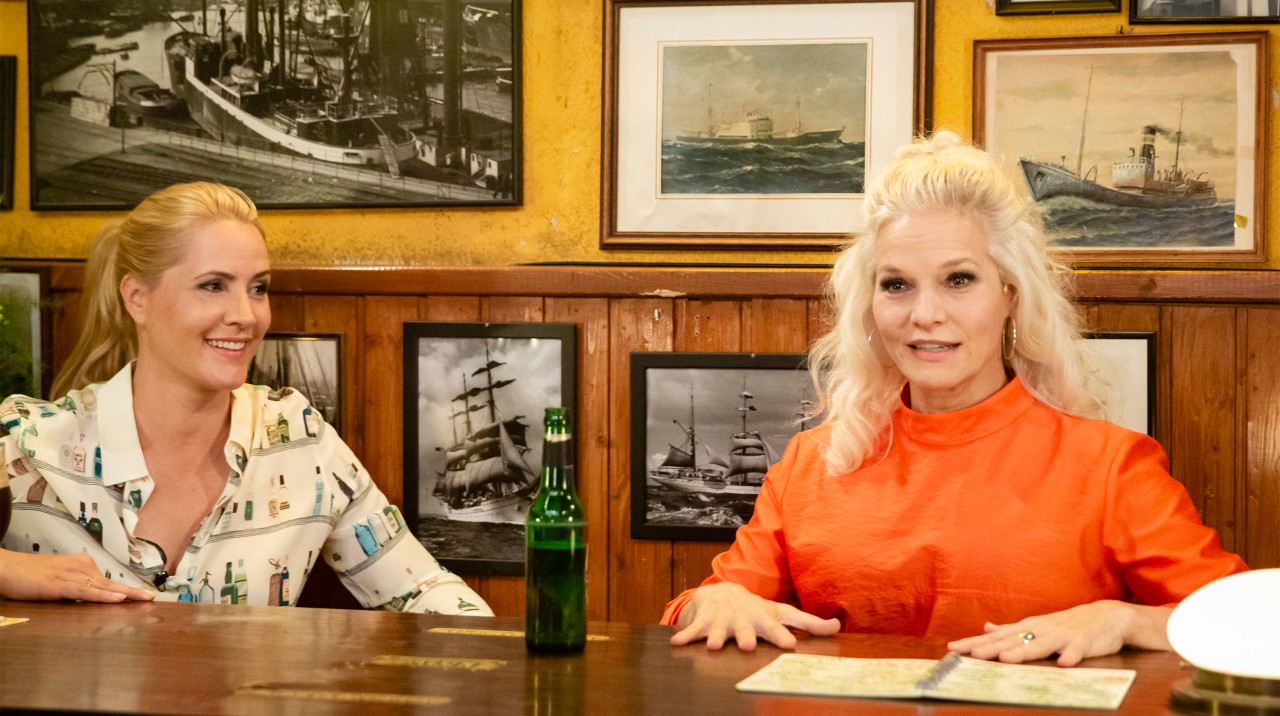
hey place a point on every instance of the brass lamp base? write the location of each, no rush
(1215, 694)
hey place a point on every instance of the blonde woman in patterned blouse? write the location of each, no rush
(160, 474)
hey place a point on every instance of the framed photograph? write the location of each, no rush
(8, 121)
(310, 363)
(1203, 11)
(1125, 370)
(1054, 7)
(1173, 178)
(25, 344)
(301, 105)
(475, 395)
(740, 124)
(705, 428)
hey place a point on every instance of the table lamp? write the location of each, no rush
(1229, 631)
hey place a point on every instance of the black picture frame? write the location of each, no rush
(672, 496)
(1128, 371)
(26, 343)
(1054, 7)
(1197, 12)
(455, 499)
(435, 120)
(8, 122)
(310, 363)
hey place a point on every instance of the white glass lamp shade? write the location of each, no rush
(1231, 626)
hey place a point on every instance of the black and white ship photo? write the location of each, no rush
(712, 428)
(302, 103)
(478, 406)
(310, 364)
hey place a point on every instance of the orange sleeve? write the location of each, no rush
(1161, 549)
(757, 559)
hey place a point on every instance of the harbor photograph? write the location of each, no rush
(476, 443)
(308, 363)
(713, 425)
(301, 103)
(1173, 170)
(753, 119)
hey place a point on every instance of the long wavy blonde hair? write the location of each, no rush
(858, 393)
(146, 243)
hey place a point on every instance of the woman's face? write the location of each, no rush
(939, 308)
(200, 326)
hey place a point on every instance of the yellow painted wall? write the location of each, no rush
(560, 218)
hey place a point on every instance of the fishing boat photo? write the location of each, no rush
(487, 475)
(142, 97)
(694, 466)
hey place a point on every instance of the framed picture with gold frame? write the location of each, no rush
(1140, 149)
(1054, 7)
(740, 124)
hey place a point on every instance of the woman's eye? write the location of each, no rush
(260, 289)
(211, 286)
(961, 279)
(892, 285)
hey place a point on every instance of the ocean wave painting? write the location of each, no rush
(694, 167)
(1072, 222)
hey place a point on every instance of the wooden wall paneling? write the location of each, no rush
(591, 427)
(287, 313)
(821, 319)
(1261, 503)
(639, 570)
(341, 314)
(68, 320)
(505, 594)
(1203, 443)
(383, 390)
(460, 309)
(775, 325)
(701, 327)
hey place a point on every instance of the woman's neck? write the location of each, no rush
(167, 413)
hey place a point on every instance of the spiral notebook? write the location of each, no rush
(953, 678)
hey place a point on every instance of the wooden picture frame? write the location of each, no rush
(1125, 366)
(474, 401)
(735, 410)
(733, 124)
(1203, 12)
(388, 105)
(310, 363)
(1187, 178)
(1054, 7)
(8, 124)
(26, 343)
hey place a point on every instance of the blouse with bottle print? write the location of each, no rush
(295, 492)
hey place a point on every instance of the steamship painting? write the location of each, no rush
(714, 424)
(475, 398)
(299, 102)
(1127, 148)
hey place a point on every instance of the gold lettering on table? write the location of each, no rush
(499, 632)
(438, 662)
(354, 696)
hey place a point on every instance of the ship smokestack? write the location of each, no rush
(1149, 142)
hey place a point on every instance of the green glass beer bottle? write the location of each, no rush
(556, 549)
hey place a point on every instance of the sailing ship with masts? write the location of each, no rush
(1136, 180)
(266, 87)
(694, 467)
(487, 475)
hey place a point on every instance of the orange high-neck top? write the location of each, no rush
(1000, 511)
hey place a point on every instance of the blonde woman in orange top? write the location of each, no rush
(964, 484)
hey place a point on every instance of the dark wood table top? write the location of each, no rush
(207, 659)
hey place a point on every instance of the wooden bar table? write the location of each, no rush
(165, 658)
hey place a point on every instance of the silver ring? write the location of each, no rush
(1026, 637)
(88, 581)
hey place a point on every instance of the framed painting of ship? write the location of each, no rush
(1204, 12)
(1123, 365)
(393, 103)
(1054, 7)
(310, 363)
(705, 428)
(474, 398)
(733, 124)
(1144, 150)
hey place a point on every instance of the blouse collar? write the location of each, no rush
(968, 424)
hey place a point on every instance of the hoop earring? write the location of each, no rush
(871, 335)
(1008, 339)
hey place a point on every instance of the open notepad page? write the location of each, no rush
(954, 678)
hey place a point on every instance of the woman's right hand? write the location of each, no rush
(55, 576)
(727, 610)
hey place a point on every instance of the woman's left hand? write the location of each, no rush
(1094, 629)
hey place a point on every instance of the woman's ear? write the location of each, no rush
(1011, 297)
(134, 295)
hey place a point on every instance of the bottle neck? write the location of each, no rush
(557, 462)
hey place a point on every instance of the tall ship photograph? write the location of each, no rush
(480, 405)
(712, 435)
(300, 102)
